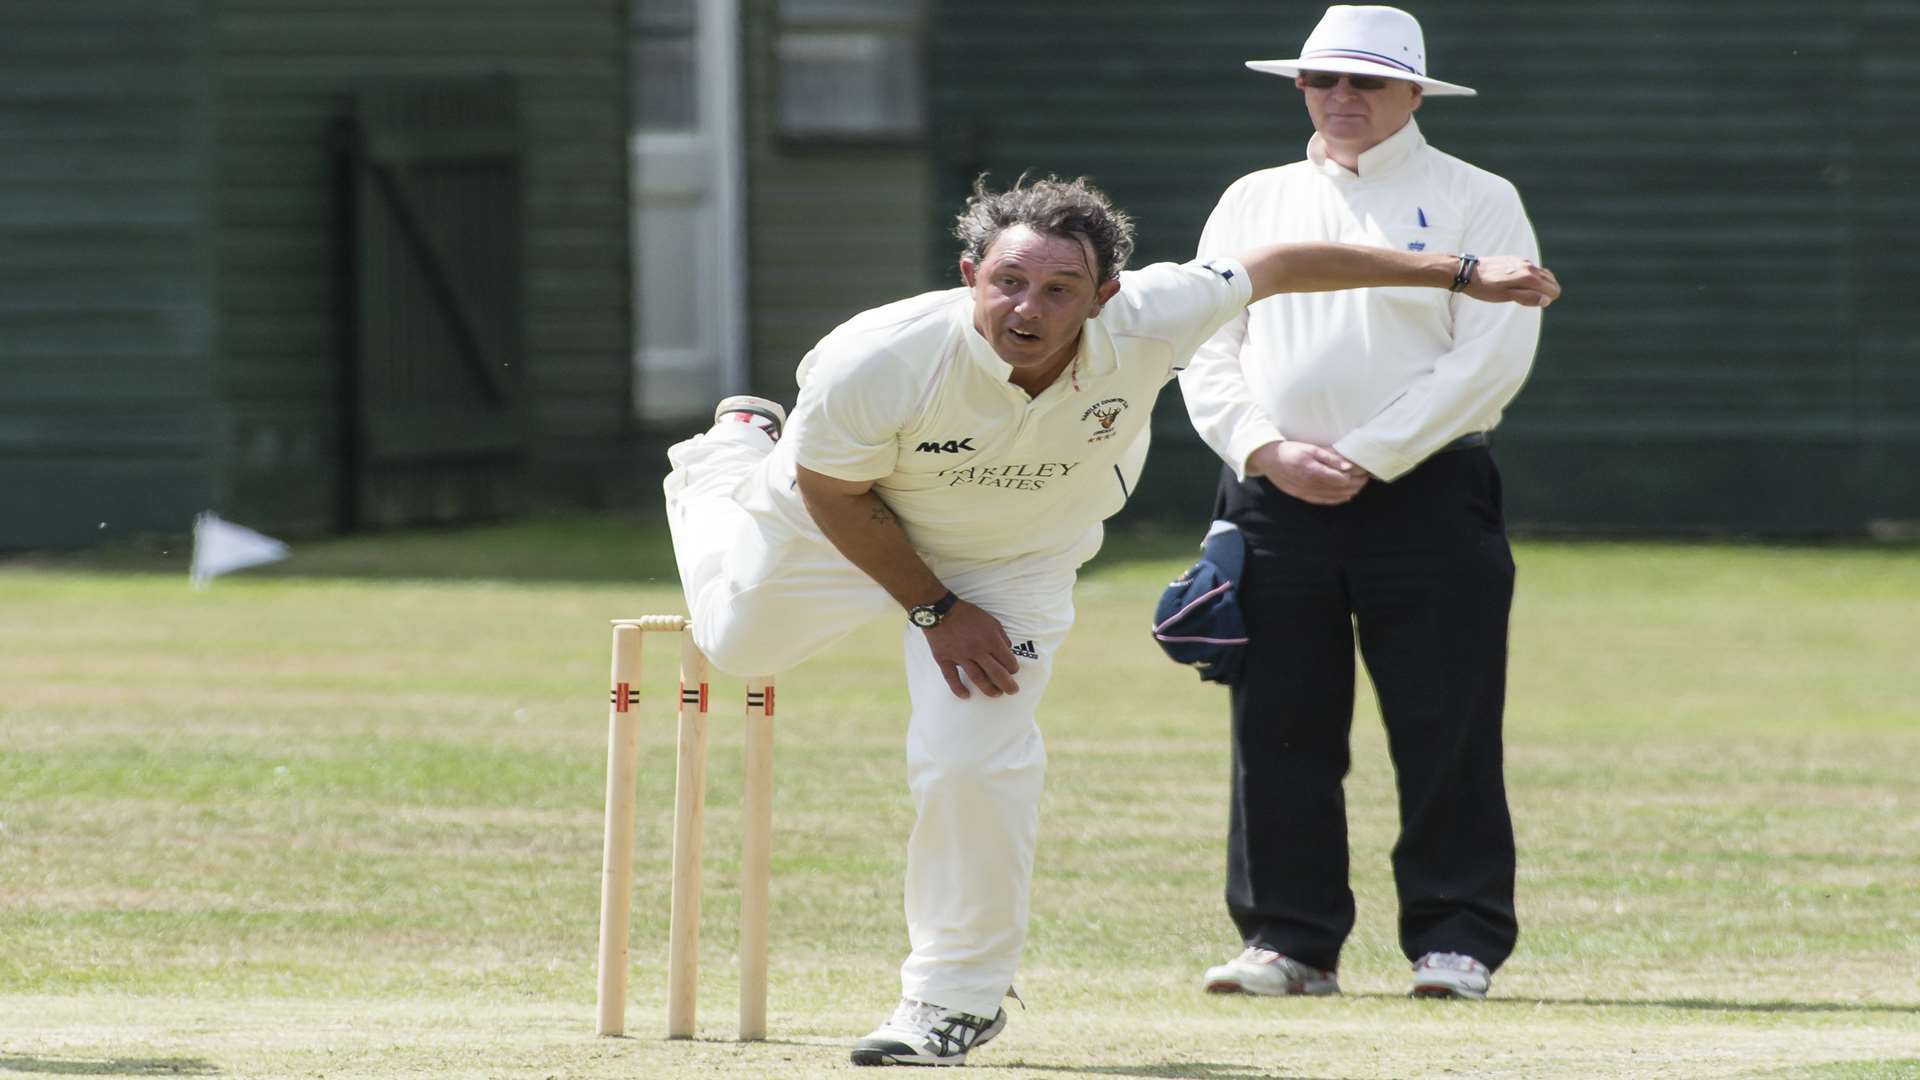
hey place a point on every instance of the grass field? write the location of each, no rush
(342, 819)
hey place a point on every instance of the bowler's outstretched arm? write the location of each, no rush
(1324, 267)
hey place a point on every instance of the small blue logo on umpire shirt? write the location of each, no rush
(1417, 245)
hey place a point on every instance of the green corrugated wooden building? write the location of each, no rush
(314, 263)
(330, 265)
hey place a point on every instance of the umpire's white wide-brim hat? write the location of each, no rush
(1366, 39)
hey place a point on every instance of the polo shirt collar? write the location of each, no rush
(1097, 355)
(1392, 152)
(978, 349)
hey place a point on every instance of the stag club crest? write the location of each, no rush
(1104, 413)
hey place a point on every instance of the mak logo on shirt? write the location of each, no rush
(1104, 413)
(951, 446)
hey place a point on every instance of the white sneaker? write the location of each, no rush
(919, 1033)
(1450, 975)
(768, 416)
(1269, 974)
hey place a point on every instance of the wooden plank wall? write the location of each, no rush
(1724, 187)
(833, 229)
(107, 420)
(285, 70)
(1880, 174)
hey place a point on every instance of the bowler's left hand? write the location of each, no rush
(1500, 279)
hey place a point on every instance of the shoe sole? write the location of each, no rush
(1234, 986)
(881, 1057)
(759, 406)
(1446, 993)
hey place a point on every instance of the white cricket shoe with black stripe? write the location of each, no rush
(920, 1033)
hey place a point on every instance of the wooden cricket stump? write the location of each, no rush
(689, 808)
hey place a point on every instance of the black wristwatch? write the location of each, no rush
(928, 616)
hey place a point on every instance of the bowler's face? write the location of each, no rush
(1032, 293)
(1356, 120)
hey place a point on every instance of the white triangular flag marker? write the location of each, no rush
(220, 546)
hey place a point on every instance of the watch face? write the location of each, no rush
(923, 616)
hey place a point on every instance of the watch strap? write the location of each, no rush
(926, 616)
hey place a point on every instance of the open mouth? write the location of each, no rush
(1022, 335)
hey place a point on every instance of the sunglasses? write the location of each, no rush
(1321, 80)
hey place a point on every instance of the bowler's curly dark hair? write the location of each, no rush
(1064, 208)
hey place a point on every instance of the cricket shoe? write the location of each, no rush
(1450, 975)
(768, 416)
(1266, 973)
(920, 1033)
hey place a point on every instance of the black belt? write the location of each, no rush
(1472, 440)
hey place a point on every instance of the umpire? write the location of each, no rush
(1355, 430)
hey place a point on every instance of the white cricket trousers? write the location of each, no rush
(766, 590)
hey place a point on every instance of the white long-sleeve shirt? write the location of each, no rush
(1384, 376)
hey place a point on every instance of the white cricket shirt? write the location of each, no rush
(1384, 376)
(911, 397)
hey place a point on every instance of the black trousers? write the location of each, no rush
(1421, 570)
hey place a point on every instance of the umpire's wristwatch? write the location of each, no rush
(928, 616)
